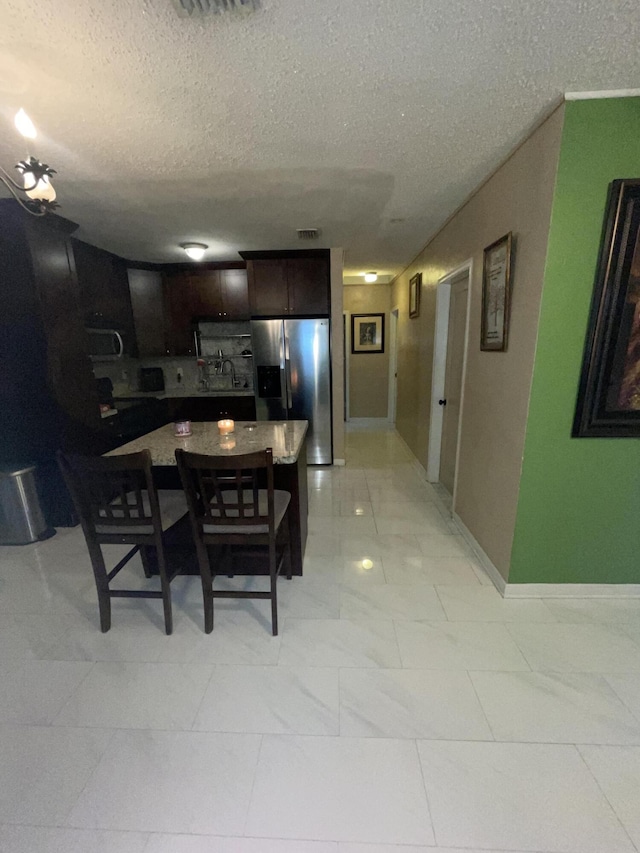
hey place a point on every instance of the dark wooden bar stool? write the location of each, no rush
(228, 509)
(117, 503)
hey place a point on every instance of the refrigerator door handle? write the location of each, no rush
(287, 369)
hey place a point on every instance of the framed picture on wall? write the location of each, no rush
(414, 295)
(496, 294)
(608, 402)
(367, 333)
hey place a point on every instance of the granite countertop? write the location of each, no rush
(285, 437)
(177, 393)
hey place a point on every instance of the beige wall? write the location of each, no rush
(337, 353)
(368, 372)
(516, 198)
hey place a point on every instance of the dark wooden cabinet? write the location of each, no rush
(179, 301)
(48, 395)
(268, 290)
(147, 302)
(204, 408)
(201, 294)
(104, 291)
(308, 286)
(235, 294)
(289, 284)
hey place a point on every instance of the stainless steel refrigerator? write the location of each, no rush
(292, 378)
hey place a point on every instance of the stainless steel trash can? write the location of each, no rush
(21, 518)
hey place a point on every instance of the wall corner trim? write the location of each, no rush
(494, 575)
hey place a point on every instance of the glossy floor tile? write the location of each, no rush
(43, 771)
(405, 707)
(554, 707)
(137, 696)
(273, 699)
(518, 796)
(458, 645)
(194, 782)
(617, 771)
(410, 703)
(343, 789)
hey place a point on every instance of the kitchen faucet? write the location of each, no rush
(220, 369)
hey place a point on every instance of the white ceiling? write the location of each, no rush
(369, 119)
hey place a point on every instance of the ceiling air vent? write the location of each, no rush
(308, 233)
(199, 8)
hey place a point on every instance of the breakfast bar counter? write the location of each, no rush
(287, 439)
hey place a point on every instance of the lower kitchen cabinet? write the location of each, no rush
(212, 408)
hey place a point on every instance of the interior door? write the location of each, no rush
(453, 381)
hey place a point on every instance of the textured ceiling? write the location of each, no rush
(369, 119)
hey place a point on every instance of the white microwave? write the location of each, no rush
(105, 344)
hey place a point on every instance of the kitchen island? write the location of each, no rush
(287, 439)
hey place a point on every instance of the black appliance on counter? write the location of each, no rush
(105, 391)
(151, 379)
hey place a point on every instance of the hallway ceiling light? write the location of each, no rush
(195, 250)
(370, 277)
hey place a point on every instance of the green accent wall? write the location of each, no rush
(578, 518)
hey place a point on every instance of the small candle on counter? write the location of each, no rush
(182, 428)
(226, 426)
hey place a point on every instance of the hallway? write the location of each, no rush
(405, 707)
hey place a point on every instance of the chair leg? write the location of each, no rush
(274, 588)
(288, 546)
(102, 585)
(207, 585)
(165, 586)
(145, 556)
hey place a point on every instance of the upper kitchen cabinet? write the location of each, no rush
(147, 301)
(201, 294)
(289, 283)
(235, 294)
(180, 299)
(104, 291)
(268, 291)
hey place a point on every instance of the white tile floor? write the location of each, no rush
(405, 706)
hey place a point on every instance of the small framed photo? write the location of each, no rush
(496, 293)
(414, 295)
(367, 333)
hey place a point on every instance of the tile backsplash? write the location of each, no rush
(231, 338)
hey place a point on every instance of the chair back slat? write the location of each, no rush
(224, 490)
(110, 491)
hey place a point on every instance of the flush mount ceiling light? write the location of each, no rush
(195, 250)
(36, 176)
(370, 277)
(199, 8)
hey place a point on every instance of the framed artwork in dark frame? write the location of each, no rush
(608, 403)
(415, 283)
(496, 295)
(367, 333)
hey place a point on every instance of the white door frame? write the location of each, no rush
(443, 300)
(393, 365)
(347, 350)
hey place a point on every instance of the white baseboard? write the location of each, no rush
(492, 572)
(572, 590)
(340, 463)
(374, 423)
(529, 590)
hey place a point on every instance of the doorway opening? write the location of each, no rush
(393, 366)
(449, 368)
